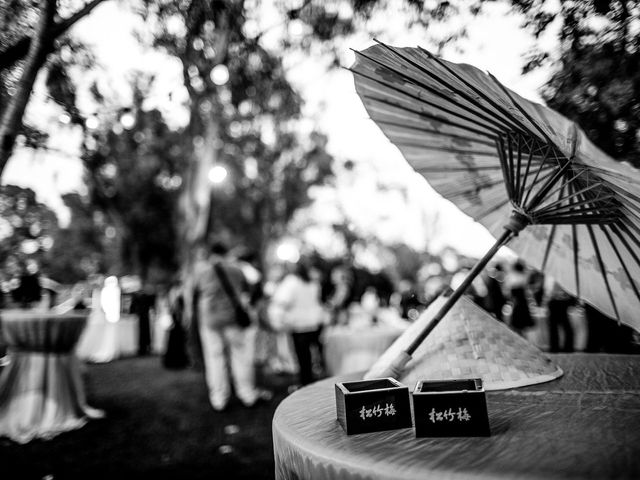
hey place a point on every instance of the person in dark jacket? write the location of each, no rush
(141, 305)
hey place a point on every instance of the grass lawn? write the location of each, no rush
(159, 425)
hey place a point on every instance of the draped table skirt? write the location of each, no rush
(350, 349)
(584, 425)
(41, 389)
(104, 341)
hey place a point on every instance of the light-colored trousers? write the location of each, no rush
(238, 346)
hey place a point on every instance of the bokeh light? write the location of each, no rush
(217, 174)
(219, 74)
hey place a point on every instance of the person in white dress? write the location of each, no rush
(296, 308)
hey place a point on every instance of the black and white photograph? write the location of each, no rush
(319, 239)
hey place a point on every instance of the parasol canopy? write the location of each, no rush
(524, 171)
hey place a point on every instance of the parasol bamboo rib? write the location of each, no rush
(478, 92)
(526, 174)
(603, 270)
(622, 262)
(445, 134)
(552, 233)
(512, 172)
(495, 127)
(431, 117)
(576, 258)
(524, 113)
(505, 168)
(633, 254)
(479, 113)
(457, 169)
(544, 160)
(519, 167)
(445, 149)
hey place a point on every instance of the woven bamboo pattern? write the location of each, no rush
(470, 343)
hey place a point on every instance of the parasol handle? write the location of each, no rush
(393, 370)
(457, 293)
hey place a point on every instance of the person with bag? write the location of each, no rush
(226, 330)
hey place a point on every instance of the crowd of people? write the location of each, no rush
(227, 318)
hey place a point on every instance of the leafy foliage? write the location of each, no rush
(82, 248)
(597, 79)
(133, 176)
(27, 229)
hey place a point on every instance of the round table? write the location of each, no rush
(104, 341)
(584, 425)
(41, 391)
(350, 349)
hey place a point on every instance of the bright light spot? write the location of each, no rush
(288, 252)
(198, 44)
(251, 168)
(251, 28)
(219, 74)
(217, 174)
(46, 242)
(197, 84)
(296, 28)
(176, 181)
(110, 232)
(6, 230)
(128, 120)
(29, 246)
(64, 118)
(92, 123)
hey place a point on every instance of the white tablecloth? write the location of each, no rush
(104, 341)
(353, 349)
(41, 391)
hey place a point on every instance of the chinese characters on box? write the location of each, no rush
(449, 415)
(377, 411)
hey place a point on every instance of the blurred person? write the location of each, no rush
(433, 288)
(536, 285)
(296, 308)
(110, 299)
(495, 300)
(29, 292)
(191, 312)
(142, 304)
(341, 296)
(477, 291)
(275, 349)
(222, 288)
(408, 300)
(558, 304)
(175, 354)
(516, 283)
(606, 335)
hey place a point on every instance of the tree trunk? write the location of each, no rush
(11, 121)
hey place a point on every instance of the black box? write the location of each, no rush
(450, 408)
(372, 405)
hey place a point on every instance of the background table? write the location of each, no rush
(350, 349)
(584, 425)
(104, 341)
(41, 392)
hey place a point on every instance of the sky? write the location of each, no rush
(495, 42)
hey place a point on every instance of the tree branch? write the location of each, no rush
(11, 120)
(19, 50)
